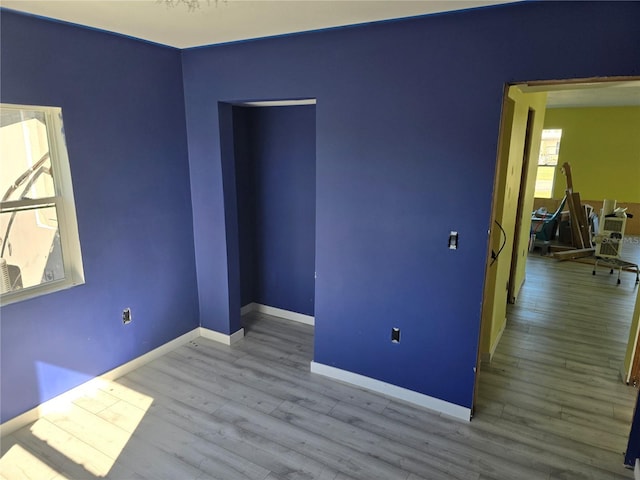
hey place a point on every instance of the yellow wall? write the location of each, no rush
(602, 145)
(490, 330)
(507, 189)
(537, 102)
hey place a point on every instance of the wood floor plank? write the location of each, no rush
(319, 385)
(182, 412)
(354, 435)
(556, 371)
(564, 455)
(318, 447)
(279, 387)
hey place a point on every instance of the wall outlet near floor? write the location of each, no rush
(126, 316)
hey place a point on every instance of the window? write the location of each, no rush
(39, 244)
(547, 162)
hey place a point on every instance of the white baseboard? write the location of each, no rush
(221, 337)
(278, 312)
(390, 390)
(65, 398)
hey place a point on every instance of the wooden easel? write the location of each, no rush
(579, 224)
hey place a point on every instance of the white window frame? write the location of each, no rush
(551, 166)
(65, 209)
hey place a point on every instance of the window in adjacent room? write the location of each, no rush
(39, 244)
(547, 162)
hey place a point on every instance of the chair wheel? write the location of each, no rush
(618, 281)
(593, 273)
(611, 272)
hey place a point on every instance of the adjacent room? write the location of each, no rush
(565, 335)
(278, 240)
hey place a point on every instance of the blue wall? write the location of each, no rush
(275, 178)
(124, 119)
(633, 446)
(407, 124)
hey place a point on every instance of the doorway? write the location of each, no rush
(493, 325)
(509, 240)
(274, 159)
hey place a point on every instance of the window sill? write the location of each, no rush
(37, 291)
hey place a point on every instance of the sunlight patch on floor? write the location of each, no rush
(87, 432)
(20, 463)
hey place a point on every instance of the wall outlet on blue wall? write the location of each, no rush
(453, 240)
(395, 335)
(126, 316)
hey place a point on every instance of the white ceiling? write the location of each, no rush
(224, 21)
(592, 94)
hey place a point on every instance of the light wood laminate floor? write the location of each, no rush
(555, 378)
(550, 406)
